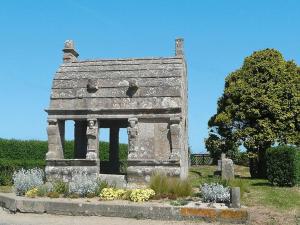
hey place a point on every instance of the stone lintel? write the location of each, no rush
(72, 162)
(73, 115)
(153, 163)
(84, 111)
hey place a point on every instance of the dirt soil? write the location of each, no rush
(265, 216)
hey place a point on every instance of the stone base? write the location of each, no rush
(64, 169)
(149, 210)
(115, 180)
(141, 171)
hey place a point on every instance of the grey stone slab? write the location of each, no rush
(119, 74)
(116, 82)
(118, 181)
(116, 103)
(121, 92)
(95, 68)
(136, 61)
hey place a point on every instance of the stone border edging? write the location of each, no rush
(153, 211)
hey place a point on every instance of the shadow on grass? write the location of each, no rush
(261, 183)
(196, 172)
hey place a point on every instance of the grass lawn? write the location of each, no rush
(267, 204)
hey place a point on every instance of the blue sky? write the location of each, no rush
(218, 35)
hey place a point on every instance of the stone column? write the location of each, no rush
(80, 140)
(55, 131)
(92, 134)
(175, 131)
(114, 149)
(132, 131)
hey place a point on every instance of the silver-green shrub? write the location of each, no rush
(83, 183)
(44, 189)
(25, 180)
(215, 193)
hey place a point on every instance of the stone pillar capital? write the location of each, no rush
(52, 121)
(175, 119)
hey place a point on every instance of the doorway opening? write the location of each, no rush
(113, 148)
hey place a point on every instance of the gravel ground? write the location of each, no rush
(7, 218)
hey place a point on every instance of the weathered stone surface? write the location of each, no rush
(114, 180)
(149, 93)
(92, 135)
(66, 173)
(116, 103)
(227, 169)
(120, 74)
(116, 92)
(117, 67)
(55, 131)
(125, 209)
(142, 174)
(116, 82)
(235, 197)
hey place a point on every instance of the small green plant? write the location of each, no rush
(43, 189)
(73, 195)
(53, 195)
(61, 187)
(170, 186)
(159, 183)
(179, 202)
(101, 185)
(180, 188)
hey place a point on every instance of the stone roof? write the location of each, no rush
(114, 84)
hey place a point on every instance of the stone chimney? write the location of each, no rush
(179, 47)
(70, 54)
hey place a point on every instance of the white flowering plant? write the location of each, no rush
(215, 193)
(83, 184)
(25, 180)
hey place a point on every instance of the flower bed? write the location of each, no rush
(171, 190)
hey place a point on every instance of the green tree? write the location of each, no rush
(260, 107)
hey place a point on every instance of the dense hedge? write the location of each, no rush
(16, 154)
(283, 165)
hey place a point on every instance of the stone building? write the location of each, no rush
(148, 96)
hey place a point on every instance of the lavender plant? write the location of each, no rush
(24, 180)
(215, 193)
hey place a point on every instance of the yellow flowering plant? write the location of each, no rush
(32, 193)
(141, 195)
(111, 193)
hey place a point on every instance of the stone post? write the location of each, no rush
(175, 131)
(70, 54)
(92, 134)
(55, 131)
(179, 47)
(235, 195)
(114, 149)
(132, 131)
